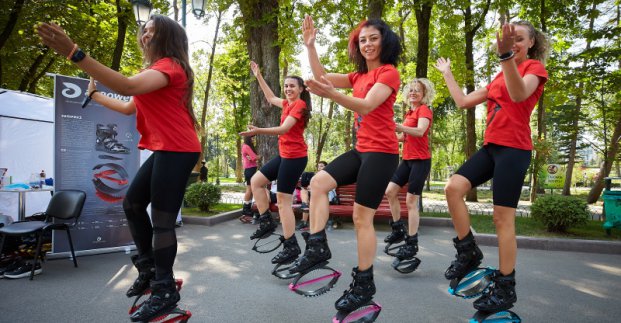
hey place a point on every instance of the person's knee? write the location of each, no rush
(320, 183)
(362, 222)
(411, 202)
(284, 199)
(454, 188)
(392, 193)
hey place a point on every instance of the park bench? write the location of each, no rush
(346, 197)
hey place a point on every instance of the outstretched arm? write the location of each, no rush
(269, 94)
(117, 105)
(282, 129)
(519, 88)
(309, 34)
(462, 100)
(376, 96)
(147, 81)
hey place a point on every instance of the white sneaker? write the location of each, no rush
(23, 271)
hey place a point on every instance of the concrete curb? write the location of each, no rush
(212, 220)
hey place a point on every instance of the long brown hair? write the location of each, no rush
(170, 40)
(304, 96)
(541, 46)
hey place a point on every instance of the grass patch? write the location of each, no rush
(216, 209)
(530, 227)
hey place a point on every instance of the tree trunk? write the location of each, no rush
(324, 135)
(541, 120)
(29, 75)
(348, 130)
(574, 135)
(206, 92)
(12, 21)
(402, 18)
(32, 87)
(604, 171)
(423, 18)
(121, 17)
(262, 42)
(376, 8)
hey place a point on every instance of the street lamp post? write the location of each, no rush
(142, 10)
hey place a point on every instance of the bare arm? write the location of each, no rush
(309, 34)
(418, 131)
(519, 88)
(126, 108)
(462, 100)
(147, 81)
(376, 96)
(282, 129)
(269, 94)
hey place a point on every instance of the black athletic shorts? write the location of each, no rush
(370, 171)
(248, 172)
(286, 170)
(414, 172)
(505, 165)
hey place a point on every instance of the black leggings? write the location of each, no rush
(370, 171)
(414, 172)
(161, 182)
(506, 165)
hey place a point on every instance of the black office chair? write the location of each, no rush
(64, 206)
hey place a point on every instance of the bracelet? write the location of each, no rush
(90, 95)
(75, 47)
(506, 56)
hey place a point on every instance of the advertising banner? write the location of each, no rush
(95, 151)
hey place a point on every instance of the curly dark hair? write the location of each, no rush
(391, 45)
(305, 96)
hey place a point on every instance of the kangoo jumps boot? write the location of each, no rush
(398, 232)
(164, 298)
(266, 226)
(146, 272)
(317, 251)
(290, 251)
(468, 257)
(501, 294)
(409, 249)
(360, 292)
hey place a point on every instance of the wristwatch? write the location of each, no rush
(502, 57)
(78, 56)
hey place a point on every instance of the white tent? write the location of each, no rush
(26, 145)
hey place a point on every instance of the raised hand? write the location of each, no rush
(443, 65)
(309, 32)
(255, 68)
(55, 38)
(91, 86)
(506, 40)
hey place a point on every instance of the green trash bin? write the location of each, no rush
(612, 209)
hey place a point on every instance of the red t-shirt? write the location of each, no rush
(417, 147)
(291, 144)
(508, 122)
(162, 118)
(376, 130)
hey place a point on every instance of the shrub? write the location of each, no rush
(558, 213)
(202, 195)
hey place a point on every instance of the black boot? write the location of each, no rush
(164, 298)
(267, 226)
(409, 249)
(468, 257)
(290, 251)
(146, 272)
(398, 232)
(247, 209)
(360, 292)
(317, 251)
(501, 294)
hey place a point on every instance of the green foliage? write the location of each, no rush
(202, 195)
(559, 213)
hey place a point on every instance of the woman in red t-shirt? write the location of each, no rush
(287, 166)
(505, 156)
(162, 102)
(249, 160)
(374, 48)
(415, 166)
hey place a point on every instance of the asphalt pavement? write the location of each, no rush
(225, 281)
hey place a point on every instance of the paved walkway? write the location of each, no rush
(227, 282)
